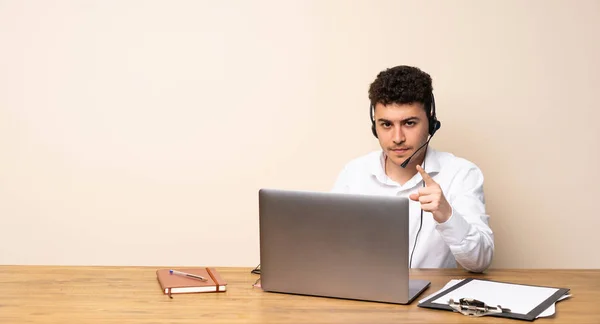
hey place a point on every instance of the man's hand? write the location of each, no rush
(432, 198)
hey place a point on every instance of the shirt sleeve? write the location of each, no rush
(341, 184)
(467, 232)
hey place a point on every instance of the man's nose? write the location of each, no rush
(398, 135)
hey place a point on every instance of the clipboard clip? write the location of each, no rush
(474, 307)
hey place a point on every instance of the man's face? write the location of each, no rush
(401, 130)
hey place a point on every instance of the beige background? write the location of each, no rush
(139, 132)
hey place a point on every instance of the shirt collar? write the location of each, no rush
(432, 167)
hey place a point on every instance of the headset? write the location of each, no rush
(434, 123)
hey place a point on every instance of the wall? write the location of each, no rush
(138, 132)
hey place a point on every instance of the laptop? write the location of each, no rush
(336, 245)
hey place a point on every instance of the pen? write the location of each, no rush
(189, 275)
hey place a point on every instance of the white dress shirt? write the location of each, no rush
(465, 237)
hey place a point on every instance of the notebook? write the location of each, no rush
(177, 284)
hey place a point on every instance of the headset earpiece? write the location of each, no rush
(434, 125)
(371, 116)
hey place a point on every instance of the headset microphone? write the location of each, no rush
(434, 129)
(405, 163)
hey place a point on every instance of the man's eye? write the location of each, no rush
(410, 123)
(386, 124)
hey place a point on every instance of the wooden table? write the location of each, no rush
(55, 294)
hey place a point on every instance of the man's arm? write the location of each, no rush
(461, 219)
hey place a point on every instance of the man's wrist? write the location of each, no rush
(443, 216)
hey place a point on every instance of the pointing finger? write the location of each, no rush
(426, 177)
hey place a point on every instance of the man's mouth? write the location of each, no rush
(400, 149)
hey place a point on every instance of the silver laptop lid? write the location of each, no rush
(334, 245)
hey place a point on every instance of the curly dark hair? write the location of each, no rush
(402, 85)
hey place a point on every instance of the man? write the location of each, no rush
(448, 223)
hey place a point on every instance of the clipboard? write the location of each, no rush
(526, 302)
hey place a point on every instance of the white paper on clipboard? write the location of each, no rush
(485, 291)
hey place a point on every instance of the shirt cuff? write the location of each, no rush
(453, 230)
